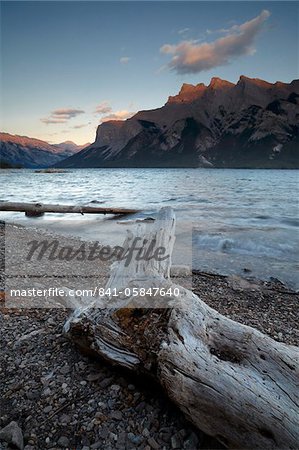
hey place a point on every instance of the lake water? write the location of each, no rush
(236, 219)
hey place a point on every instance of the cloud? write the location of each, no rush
(103, 108)
(118, 115)
(125, 59)
(193, 57)
(183, 31)
(62, 115)
(49, 120)
(66, 113)
(233, 27)
(77, 127)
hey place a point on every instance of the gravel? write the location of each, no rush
(57, 410)
(268, 306)
(61, 399)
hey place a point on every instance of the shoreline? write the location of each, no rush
(111, 231)
(268, 305)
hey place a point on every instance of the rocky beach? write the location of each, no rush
(54, 397)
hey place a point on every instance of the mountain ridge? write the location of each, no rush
(251, 123)
(16, 150)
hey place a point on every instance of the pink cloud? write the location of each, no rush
(193, 57)
(62, 115)
(118, 115)
(103, 108)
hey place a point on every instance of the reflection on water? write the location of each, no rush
(242, 219)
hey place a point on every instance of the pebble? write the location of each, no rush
(175, 442)
(115, 387)
(51, 321)
(146, 432)
(94, 376)
(96, 445)
(47, 392)
(47, 409)
(102, 405)
(63, 441)
(105, 383)
(33, 395)
(116, 415)
(65, 369)
(153, 443)
(135, 439)
(113, 436)
(13, 435)
(65, 418)
(191, 442)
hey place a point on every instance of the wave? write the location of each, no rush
(290, 221)
(263, 217)
(187, 199)
(244, 246)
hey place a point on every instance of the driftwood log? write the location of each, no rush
(35, 209)
(230, 380)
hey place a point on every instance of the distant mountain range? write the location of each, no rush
(250, 124)
(23, 151)
(70, 147)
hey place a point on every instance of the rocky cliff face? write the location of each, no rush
(28, 152)
(249, 124)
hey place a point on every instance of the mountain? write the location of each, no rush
(70, 146)
(250, 124)
(29, 152)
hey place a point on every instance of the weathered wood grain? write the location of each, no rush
(230, 380)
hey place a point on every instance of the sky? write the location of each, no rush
(68, 66)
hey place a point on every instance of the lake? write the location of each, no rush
(235, 219)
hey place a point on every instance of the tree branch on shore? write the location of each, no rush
(35, 209)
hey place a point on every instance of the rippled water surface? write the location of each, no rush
(241, 219)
